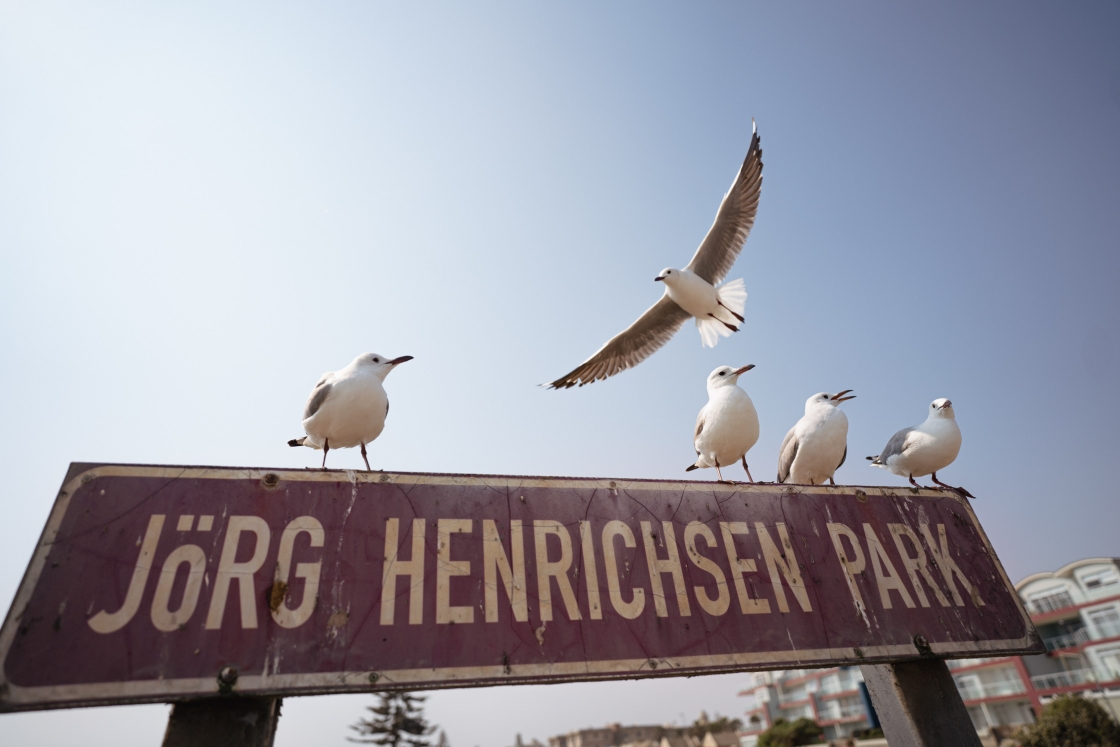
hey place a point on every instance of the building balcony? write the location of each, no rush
(1063, 679)
(1050, 603)
(1069, 640)
(841, 713)
(966, 663)
(1002, 688)
(793, 701)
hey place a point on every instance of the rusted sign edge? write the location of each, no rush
(16, 698)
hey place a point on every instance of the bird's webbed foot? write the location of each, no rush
(945, 486)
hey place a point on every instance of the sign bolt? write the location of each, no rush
(227, 676)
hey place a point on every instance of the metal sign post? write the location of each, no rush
(167, 584)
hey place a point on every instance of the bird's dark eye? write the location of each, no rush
(721, 373)
(376, 360)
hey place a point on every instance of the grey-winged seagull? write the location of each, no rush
(727, 426)
(926, 448)
(817, 444)
(691, 292)
(347, 408)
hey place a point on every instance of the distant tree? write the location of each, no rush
(398, 722)
(1071, 721)
(791, 733)
(703, 724)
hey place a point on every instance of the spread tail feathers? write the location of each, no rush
(732, 297)
(711, 329)
(297, 441)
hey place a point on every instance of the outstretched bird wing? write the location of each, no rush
(725, 239)
(787, 454)
(631, 346)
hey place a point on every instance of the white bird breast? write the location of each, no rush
(822, 437)
(730, 427)
(353, 414)
(933, 445)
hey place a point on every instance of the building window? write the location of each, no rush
(1110, 660)
(1100, 579)
(1105, 621)
(1050, 600)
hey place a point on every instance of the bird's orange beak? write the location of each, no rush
(742, 370)
(839, 396)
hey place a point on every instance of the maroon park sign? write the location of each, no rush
(167, 583)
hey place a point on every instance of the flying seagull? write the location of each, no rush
(347, 408)
(692, 291)
(817, 444)
(926, 448)
(727, 426)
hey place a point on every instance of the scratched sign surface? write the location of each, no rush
(151, 580)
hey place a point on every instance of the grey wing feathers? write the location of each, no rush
(699, 428)
(629, 347)
(843, 458)
(734, 220)
(786, 455)
(318, 397)
(895, 446)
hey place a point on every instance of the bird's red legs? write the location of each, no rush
(719, 473)
(916, 485)
(745, 467)
(731, 327)
(958, 491)
(729, 311)
(365, 459)
(831, 481)
(326, 448)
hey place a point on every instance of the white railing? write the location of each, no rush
(970, 691)
(797, 696)
(1051, 602)
(961, 663)
(844, 711)
(1004, 687)
(1063, 679)
(975, 691)
(1069, 640)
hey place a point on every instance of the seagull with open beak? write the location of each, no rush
(347, 408)
(817, 444)
(727, 426)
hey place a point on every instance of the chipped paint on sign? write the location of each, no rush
(150, 582)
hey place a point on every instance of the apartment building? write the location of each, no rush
(834, 698)
(1076, 610)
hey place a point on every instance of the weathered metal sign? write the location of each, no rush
(165, 583)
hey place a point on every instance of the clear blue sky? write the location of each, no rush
(203, 206)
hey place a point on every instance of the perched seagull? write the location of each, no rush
(347, 408)
(727, 427)
(816, 445)
(926, 448)
(690, 292)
